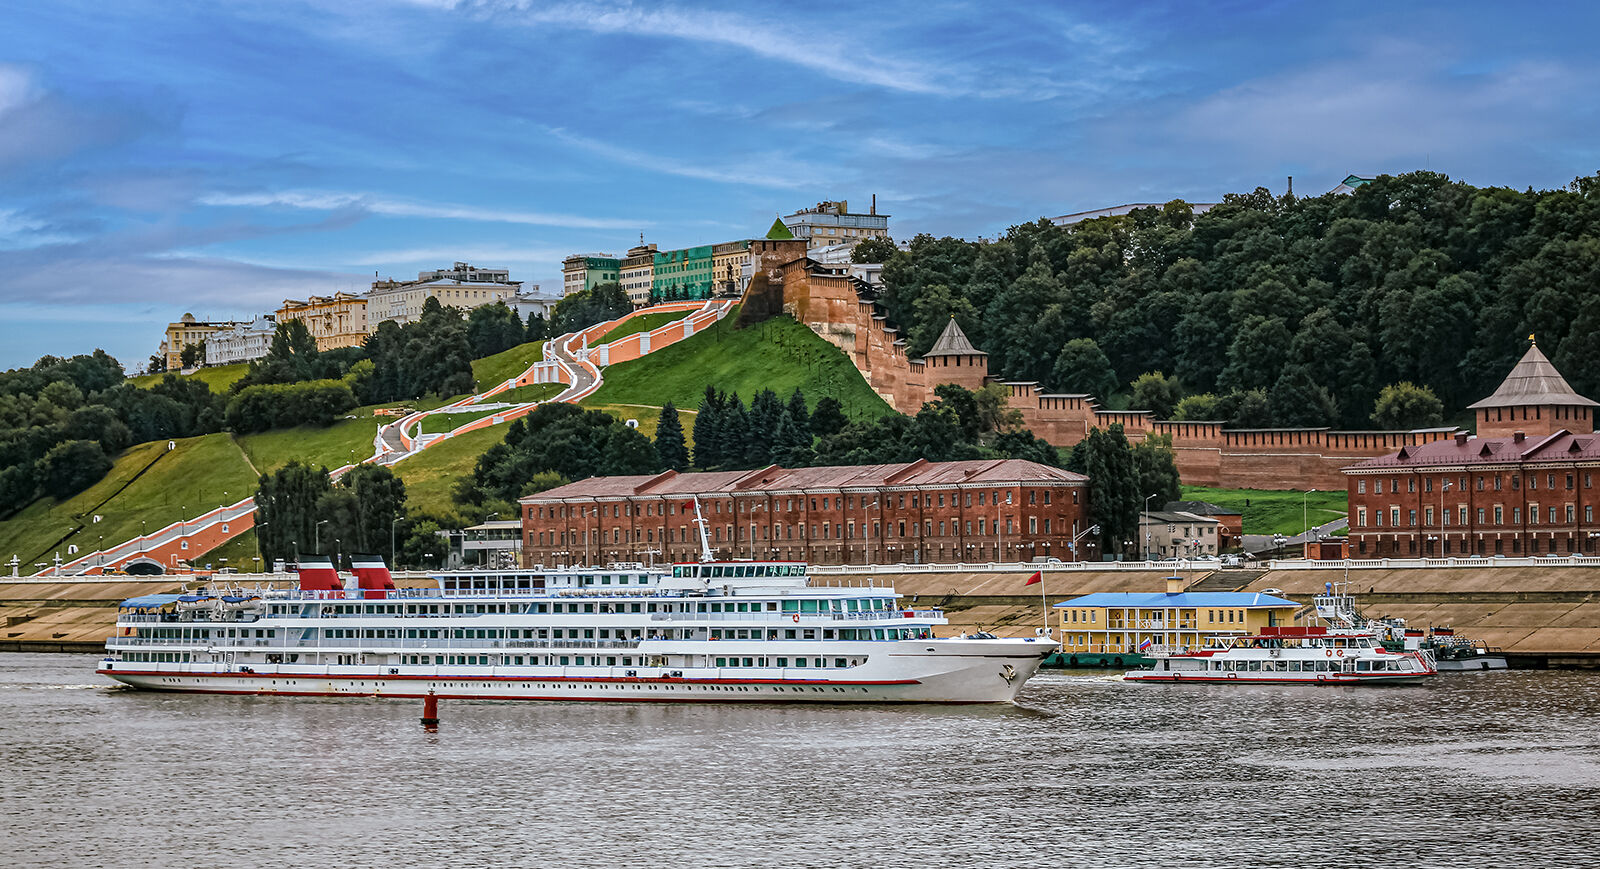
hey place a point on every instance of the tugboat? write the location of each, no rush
(1286, 654)
(1450, 652)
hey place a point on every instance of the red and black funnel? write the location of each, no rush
(372, 576)
(317, 573)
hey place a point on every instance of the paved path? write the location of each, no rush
(1254, 543)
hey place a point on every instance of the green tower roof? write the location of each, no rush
(778, 230)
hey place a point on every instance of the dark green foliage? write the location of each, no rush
(562, 439)
(873, 250)
(432, 355)
(290, 358)
(86, 400)
(1157, 467)
(494, 328)
(1115, 497)
(1405, 405)
(1414, 277)
(379, 498)
(708, 430)
(1157, 393)
(585, 308)
(537, 330)
(1081, 367)
(286, 510)
(192, 354)
(70, 467)
(265, 406)
(765, 411)
(828, 418)
(671, 450)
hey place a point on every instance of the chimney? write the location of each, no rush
(1518, 437)
(1174, 585)
(1291, 187)
(874, 204)
(1461, 438)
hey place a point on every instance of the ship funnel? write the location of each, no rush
(317, 573)
(372, 576)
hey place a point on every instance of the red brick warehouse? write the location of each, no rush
(975, 511)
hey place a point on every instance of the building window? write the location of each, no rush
(1361, 487)
(1499, 515)
(1411, 518)
(1361, 517)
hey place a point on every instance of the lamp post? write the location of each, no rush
(1146, 528)
(1092, 529)
(1305, 518)
(393, 558)
(316, 538)
(1444, 487)
(752, 543)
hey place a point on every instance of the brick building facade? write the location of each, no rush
(844, 312)
(1527, 489)
(974, 511)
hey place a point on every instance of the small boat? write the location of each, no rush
(1450, 653)
(1312, 655)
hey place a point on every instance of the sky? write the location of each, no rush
(158, 158)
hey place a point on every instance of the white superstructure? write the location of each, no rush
(748, 630)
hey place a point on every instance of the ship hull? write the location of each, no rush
(941, 671)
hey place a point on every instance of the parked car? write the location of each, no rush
(1275, 592)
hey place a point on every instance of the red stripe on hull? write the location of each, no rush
(1226, 680)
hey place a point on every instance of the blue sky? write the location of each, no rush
(159, 157)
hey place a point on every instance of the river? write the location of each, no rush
(1490, 769)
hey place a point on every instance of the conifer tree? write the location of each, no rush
(708, 431)
(799, 416)
(765, 409)
(670, 447)
(828, 419)
(736, 433)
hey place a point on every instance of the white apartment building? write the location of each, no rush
(832, 223)
(463, 286)
(244, 342)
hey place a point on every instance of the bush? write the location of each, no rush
(71, 467)
(265, 406)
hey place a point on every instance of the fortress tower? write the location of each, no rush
(1534, 399)
(953, 359)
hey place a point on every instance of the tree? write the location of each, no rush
(1157, 466)
(626, 451)
(1157, 393)
(1114, 495)
(828, 418)
(538, 329)
(1204, 407)
(286, 510)
(765, 410)
(70, 467)
(1405, 406)
(799, 417)
(379, 500)
(157, 364)
(995, 413)
(873, 250)
(193, 355)
(708, 452)
(1298, 402)
(492, 329)
(585, 308)
(422, 548)
(671, 451)
(1081, 367)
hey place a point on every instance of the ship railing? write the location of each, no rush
(343, 643)
(775, 618)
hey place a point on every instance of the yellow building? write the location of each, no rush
(731, 267)
(1121, 623)
(188, 332)
(339, 320)
(638, 273)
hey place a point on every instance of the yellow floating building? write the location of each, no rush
(1117, 628)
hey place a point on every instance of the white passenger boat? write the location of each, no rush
(1284, 654)
(721, 631)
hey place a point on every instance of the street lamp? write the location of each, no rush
(1305, 520)
(1146, 528)
(752, 543)
(316, 531)
(1073, 546)
(1444, 487)
(392, 557)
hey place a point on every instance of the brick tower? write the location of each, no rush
(953, 359)
(1534, 399)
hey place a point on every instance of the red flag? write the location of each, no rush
(1038, 576)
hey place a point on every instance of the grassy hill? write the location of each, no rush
(430, 475)
(491, 370)
(1275, 511)
(779, 354)
(148, 483)
(643, 323)
(219, 378)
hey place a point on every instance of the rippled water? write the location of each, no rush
(1491, 769)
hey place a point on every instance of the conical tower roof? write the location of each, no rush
(1534, 382)
(953, 342)
(779, 232)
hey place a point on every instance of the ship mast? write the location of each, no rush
(700, 523)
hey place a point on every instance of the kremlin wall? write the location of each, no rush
(842, 311)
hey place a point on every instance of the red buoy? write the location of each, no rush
(430, 712)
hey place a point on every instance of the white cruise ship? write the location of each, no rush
(720, 631)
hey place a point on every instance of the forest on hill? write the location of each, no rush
(1276, 310)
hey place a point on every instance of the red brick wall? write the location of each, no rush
(1408, 495)
(823, 527)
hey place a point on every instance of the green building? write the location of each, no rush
(683, 274)
(586, 271)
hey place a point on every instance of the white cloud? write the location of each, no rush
(320, 200)
(796, 174)
(16, 87)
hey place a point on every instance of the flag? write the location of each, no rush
(1038, 576)
(1145, 646)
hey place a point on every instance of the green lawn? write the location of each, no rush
(1274, 511)
(531, 392)
(240, 553)
(492, 370)
(779, 354)
(643, 323)
(339, 444)
(200, 474)
(218, 378)
(431, 474)
(444, 422)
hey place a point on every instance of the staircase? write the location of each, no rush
(1227, 580)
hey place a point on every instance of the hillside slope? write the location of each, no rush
(778, 354)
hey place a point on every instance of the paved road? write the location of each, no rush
(1254, 543)
(585, 377)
